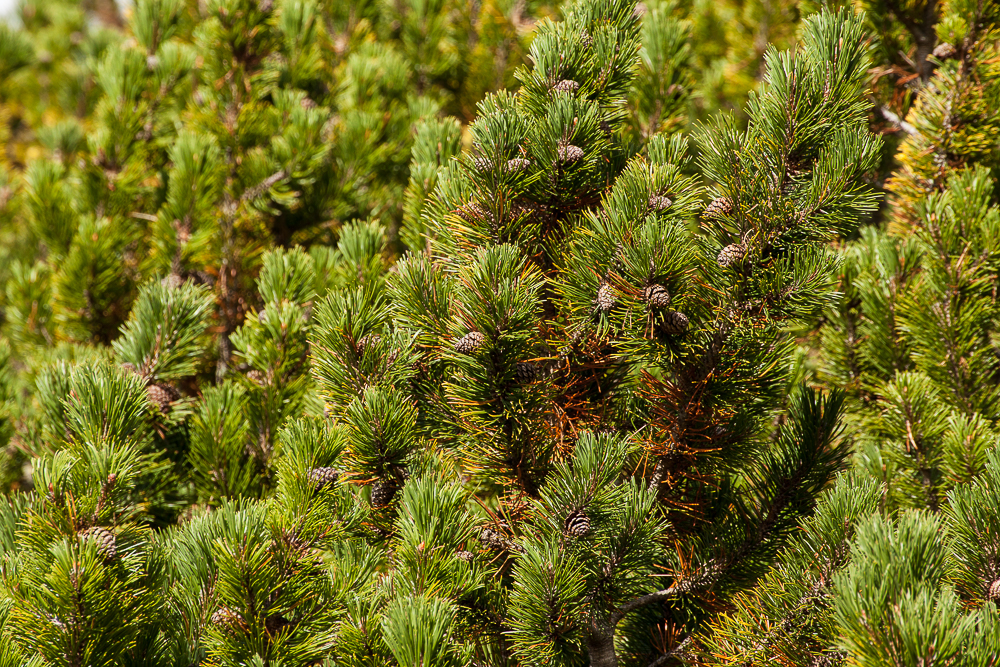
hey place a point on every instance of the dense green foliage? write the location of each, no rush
(431, 333)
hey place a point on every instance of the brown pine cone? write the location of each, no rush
(162, 396)
(493, 539)
(470, 342)
(130, 368)
(566, 86)
(383, 491)
(719, 207)
(226, 618)
(577, 524)
(104, 541)
(944, 50)
(994, 592)
(321, 478)
(586, 39)
(659, 203)
(569, 153)
(605, 298)
(517, 164)
(367, 341)
(674, 323)
(482, 164)
(656, 296)
(257, 377)
(731, 254)
(467, 556)
(526, 371)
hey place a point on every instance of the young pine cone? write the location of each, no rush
(570, 153)
(566, 86)
(104, 541)
(383, 491)
(526, 371)
(659, 203)
(470, 342)
(674, 323)
(605, 298)
(161, 396)
(320, 478)
(577, 524)
(731, 254)
(517, 164)
(656, 296)
(719, 207)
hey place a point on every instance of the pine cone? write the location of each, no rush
(944, 50)
(566, 86)
(275, 623)
(659, 203)
(172, 281)
(130, 368)
(320, 478)
(674, 323)
(731, 254)
(103, 539)
(471, 212)
(577, 524)
(526, 371)
(366, 341)
(383, 491)
(994, 592)
(493, 539)
(605, 298)
(161, 396)
(470, 342)
(257, 377)
(570, 153)
(517, 164)
(656, 296)
(467, 556)
(586, 39)
(719, 207)
(482, 164)
(224, 617)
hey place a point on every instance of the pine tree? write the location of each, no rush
(569, 348)
(907, 579)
